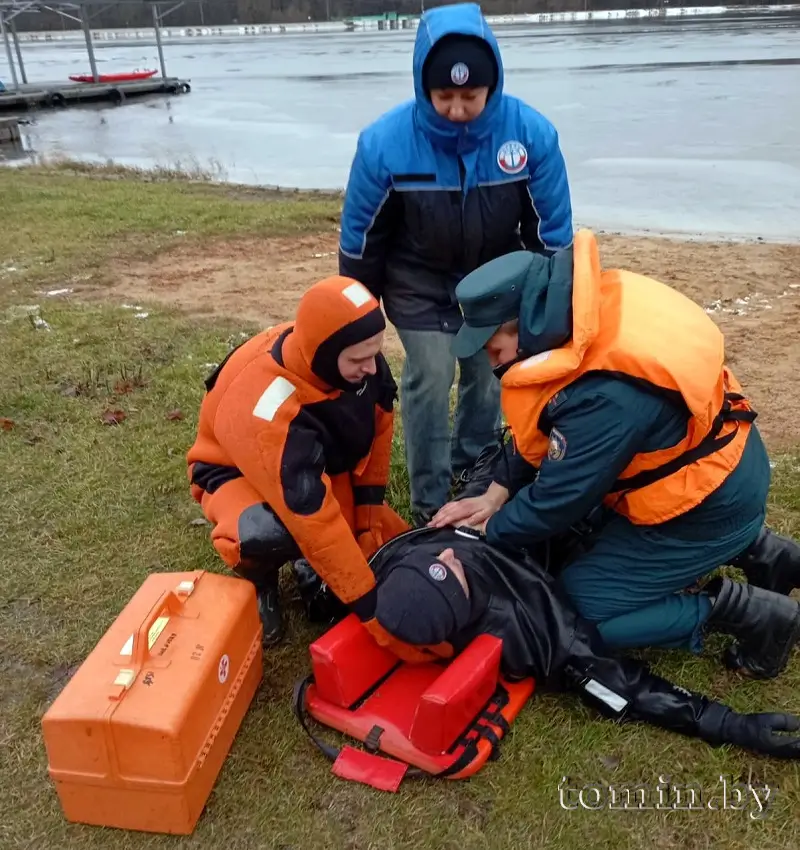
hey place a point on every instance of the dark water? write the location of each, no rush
(689, 125)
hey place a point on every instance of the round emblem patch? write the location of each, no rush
(437, 572)
(459, 73)
(512, 157)
(223, 669)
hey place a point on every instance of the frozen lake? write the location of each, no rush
(674, 125)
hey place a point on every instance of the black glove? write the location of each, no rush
(761, 733)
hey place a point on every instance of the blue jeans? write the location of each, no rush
(432, 454)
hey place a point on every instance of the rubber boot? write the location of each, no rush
(269, 606)
(766, 626)
(319, 602)
(420, 518)
(475, 481)
(772, 562)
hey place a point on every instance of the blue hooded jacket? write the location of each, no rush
(429, 200)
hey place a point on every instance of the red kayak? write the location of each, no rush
(113, 78)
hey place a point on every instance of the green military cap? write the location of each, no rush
(489, 297)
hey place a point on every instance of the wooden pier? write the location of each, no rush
(59, 95)
(18, 94)
(9, 131)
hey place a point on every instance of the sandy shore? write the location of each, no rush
(752, 289)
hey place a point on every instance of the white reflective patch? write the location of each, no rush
(272, 398)
(357, 293)
(614, 701)
(537, 358)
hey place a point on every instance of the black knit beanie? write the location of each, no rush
(421, 601)
(459, 61)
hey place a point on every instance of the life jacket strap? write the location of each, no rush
(711, 443)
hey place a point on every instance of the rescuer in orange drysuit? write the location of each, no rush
(292, 454)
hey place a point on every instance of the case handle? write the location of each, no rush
(171, 603)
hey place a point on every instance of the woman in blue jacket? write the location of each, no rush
(457, 176)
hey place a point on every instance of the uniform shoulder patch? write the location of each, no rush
(557, 446)
(272, 398)
(556, 401)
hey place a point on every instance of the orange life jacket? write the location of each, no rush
(634, 326)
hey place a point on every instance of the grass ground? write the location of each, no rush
(97, 408)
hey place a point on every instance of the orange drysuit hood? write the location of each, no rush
(333, 314)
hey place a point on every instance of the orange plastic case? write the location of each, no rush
(138, 736)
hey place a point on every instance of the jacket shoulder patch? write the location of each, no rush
(272, 398)
(557, 446)
(512, 157)
(556, 401)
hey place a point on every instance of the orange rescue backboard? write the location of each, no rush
(138, 736)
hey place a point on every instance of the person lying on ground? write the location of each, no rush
(620, 403)
(292, 453)
(439, 586)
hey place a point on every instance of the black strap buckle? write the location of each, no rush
(373, 740)
(330, 751)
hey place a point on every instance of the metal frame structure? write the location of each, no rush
(74, 10)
